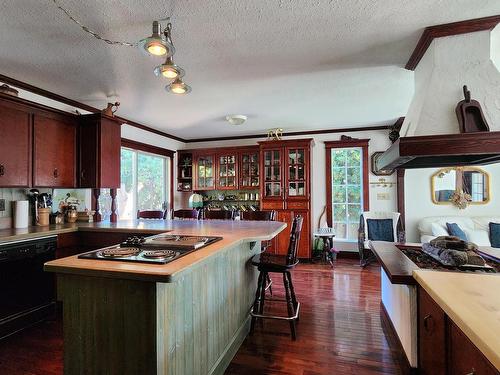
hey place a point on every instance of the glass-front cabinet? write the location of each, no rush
(273, 177)
(205, 172)
(285, 187)
(296, 167)
(227, 171)
(249, 169)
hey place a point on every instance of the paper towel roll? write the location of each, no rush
(21, 214)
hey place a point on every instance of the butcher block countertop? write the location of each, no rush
(472, 301)
(233, 233)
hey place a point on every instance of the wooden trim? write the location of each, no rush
(344, 143)
(290, 134)
(443, 150)
(147, 148)
(401, 196)
(149, 129)
(448, 29)
(77, 104)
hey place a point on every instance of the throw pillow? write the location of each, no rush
(380, 230)
(438, 230)
(455, 231)
(495, 235)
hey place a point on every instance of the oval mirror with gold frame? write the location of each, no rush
(471, 182)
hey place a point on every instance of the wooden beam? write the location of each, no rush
(448, 29)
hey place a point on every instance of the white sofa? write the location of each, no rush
(476, 228)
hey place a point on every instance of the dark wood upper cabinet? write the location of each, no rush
(99, 151)
(15, 146)
(54, 152)
(249, 167)
(227, 170)
(205, 171)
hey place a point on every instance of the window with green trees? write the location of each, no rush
(347, 191)
(144, 183)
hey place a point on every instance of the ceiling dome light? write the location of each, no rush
(156, 44)
(178, 87)
(169, 70)
(236, 119)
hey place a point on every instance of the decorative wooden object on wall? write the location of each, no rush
(470, 115)
(395, 129)
(373, 165)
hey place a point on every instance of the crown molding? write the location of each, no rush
(448, 29)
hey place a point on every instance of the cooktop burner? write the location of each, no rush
(120, 252)
(159, 249)
(159, 254)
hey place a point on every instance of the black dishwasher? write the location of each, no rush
(27, 293)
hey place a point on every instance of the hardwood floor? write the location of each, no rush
(339, 332)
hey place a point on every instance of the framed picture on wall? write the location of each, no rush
(375, 170)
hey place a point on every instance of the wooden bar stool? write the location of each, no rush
(218, 215)
(151, 214)
(193, 214)
(272, 263)
(261, 216)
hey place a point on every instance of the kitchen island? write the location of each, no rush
(469, 301)
(185, 317)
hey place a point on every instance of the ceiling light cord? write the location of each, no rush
(91, 32)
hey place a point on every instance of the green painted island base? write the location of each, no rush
(192, 325)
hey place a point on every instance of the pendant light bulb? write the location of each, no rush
(169, 70)
(156, 44)
(178, 87)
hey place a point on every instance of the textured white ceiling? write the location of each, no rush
(294, 64)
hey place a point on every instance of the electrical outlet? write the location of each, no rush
(383, 196)
(2, 204)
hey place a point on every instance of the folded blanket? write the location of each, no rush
(453, 243)
(452, 251)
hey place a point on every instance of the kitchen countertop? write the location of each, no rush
(472, 301)
(233, 233)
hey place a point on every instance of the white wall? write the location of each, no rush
(418, 199)
(378, 142)
(471, 59)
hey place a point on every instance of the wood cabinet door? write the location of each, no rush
(110, 152)
(54, 152)
(431, 333)
(227, 171)
(272, 185)
(465, 357)
(297, 173)
(304, 250)
(249, 169)
(15, 147)
(100, 145)
(205, 172)
(280, 245)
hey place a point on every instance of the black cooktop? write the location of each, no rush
(159, 249)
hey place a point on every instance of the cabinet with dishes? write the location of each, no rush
(213, 169)
(285, 187)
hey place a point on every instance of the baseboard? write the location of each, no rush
(348, 255)
(397, 350)
(227, 356)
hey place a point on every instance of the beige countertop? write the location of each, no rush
(233, 233)
(472, 301)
